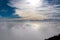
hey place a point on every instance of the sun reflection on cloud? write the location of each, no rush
(31, 26)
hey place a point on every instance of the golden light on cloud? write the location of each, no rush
(30, 15)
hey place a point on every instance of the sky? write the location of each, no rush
(12, 12)
(30, 9)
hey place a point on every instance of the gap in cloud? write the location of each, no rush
(7, 11)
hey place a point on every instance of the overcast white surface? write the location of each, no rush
(28, 30)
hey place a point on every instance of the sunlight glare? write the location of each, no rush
(35, 2)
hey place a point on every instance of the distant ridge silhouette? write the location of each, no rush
(57, 37)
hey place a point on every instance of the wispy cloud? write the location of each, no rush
(44, 8)
(27, 9)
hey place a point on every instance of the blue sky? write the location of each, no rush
(7, 11)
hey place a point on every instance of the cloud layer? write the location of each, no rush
(25, 30)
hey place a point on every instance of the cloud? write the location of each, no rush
(21, 30)
(54, 2)
(27, 9)
(50, 8)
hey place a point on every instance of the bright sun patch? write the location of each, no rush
(35, 2)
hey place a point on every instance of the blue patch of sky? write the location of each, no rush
(7, 11)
